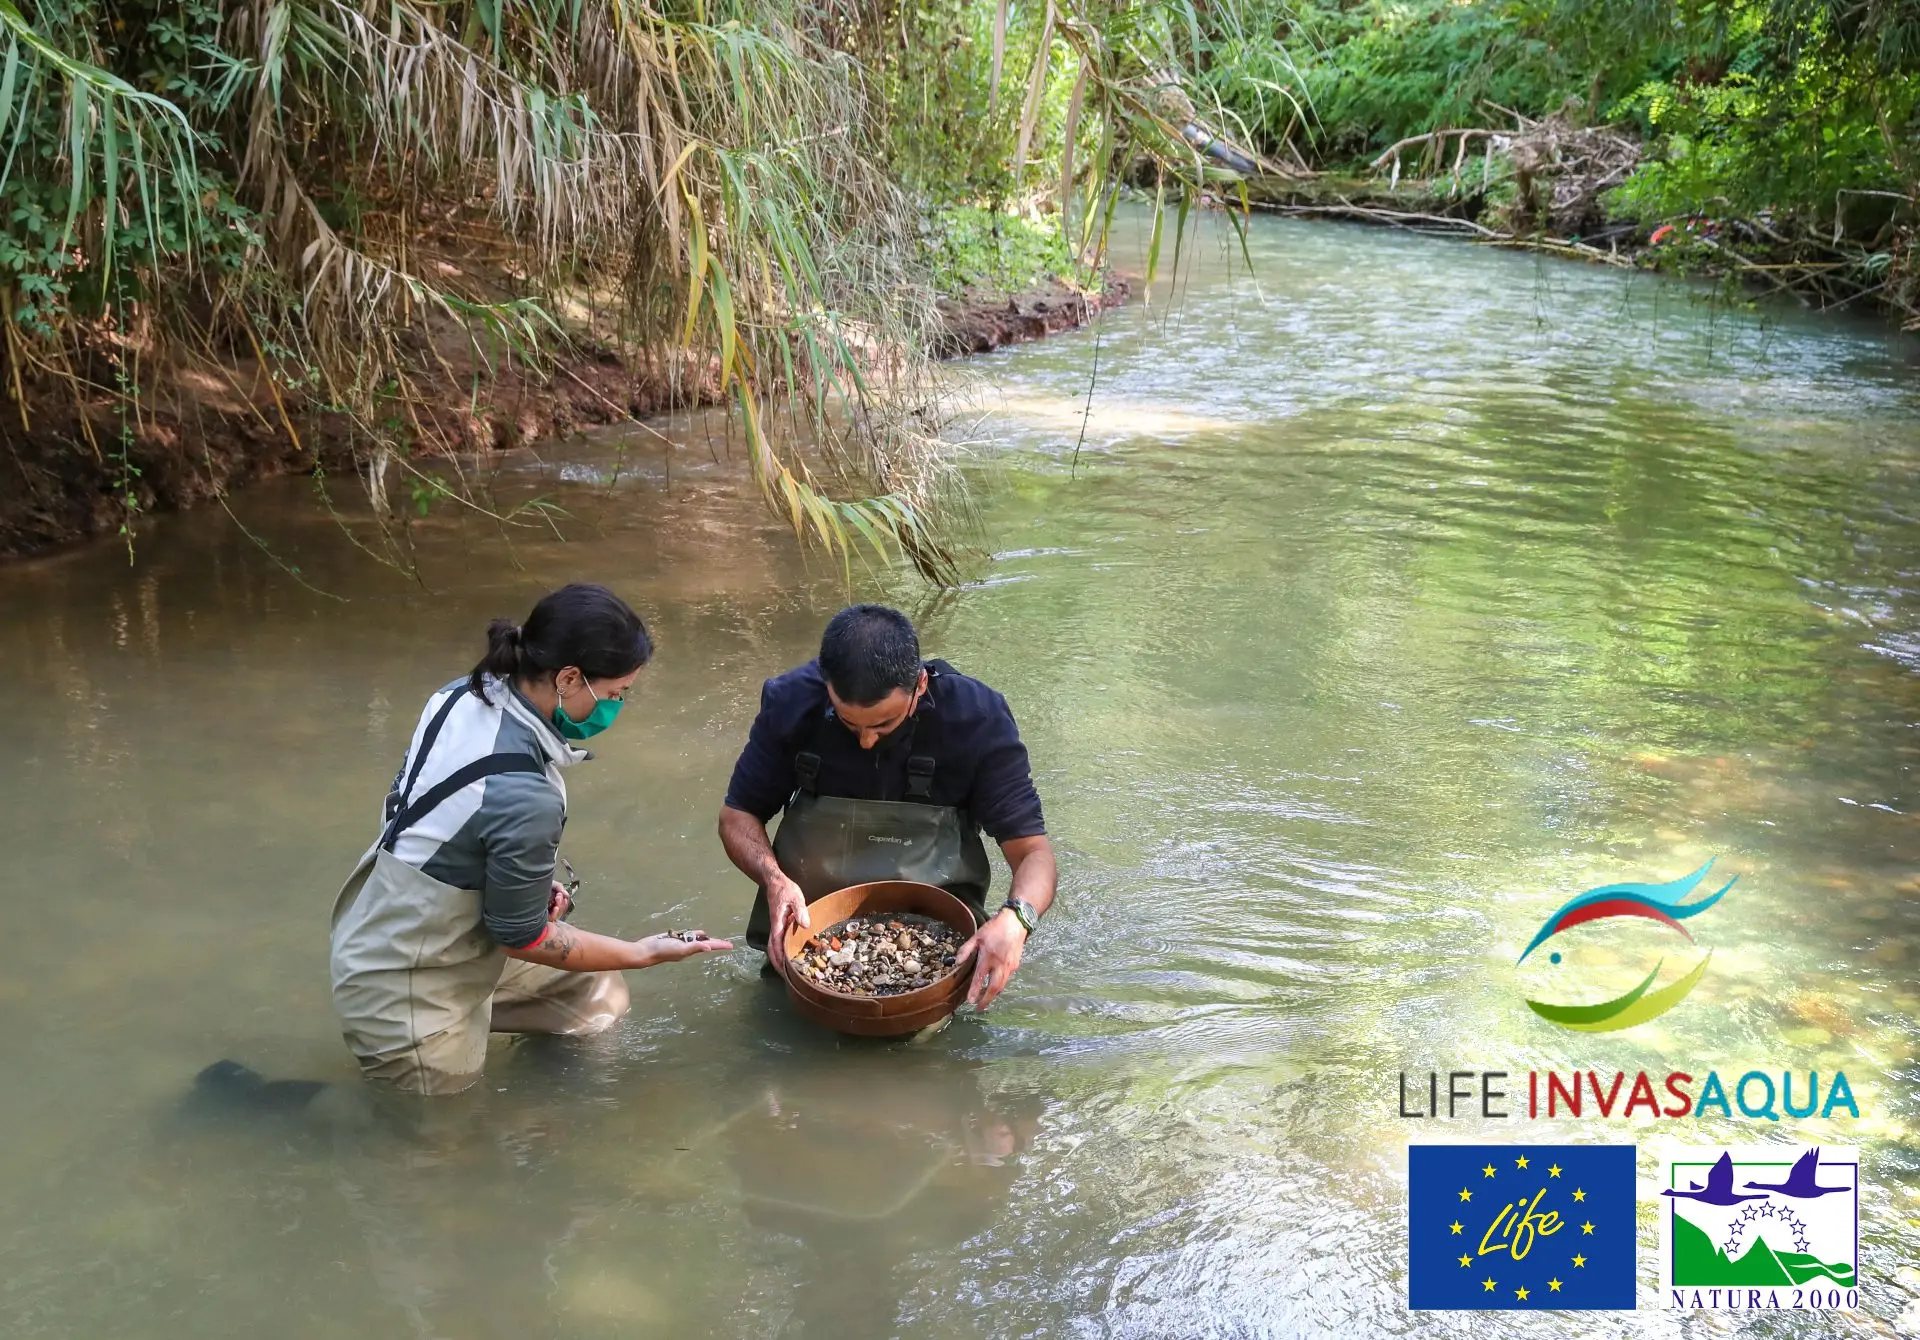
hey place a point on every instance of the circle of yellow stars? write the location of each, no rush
(1490, 1285)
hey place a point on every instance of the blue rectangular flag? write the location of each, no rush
(1520, 1226)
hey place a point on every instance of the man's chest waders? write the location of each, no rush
(416, 976)
(826, 843)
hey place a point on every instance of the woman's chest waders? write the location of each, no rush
(414, 970)
(826, 843)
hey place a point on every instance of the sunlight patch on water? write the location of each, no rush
(1109, 417)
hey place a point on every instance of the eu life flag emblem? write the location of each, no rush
(1520, 1226)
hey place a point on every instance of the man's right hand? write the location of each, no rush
(745, 838)
(786, 908)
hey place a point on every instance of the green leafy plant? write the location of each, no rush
(1796, 122)
(974, 248)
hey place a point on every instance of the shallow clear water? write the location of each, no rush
(1387, 604)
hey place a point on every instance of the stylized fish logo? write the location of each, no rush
(1656, 902)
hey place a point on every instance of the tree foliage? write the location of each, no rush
(1050, 105)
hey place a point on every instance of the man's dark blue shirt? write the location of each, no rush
(980, 764)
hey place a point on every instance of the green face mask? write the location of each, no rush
(601, 717)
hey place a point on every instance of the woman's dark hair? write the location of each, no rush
(867, 652)
(581, 625)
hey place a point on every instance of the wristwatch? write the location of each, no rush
(1023, 913)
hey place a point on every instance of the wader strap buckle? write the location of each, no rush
(919, 777)
(806, 766)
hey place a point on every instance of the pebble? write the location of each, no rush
(878, 955)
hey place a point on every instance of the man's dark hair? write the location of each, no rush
(867, 652)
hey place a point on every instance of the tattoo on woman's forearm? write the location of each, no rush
(559, 942)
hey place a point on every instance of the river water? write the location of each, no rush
(1361, 616)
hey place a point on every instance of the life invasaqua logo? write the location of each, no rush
(1662, 904)
(1761, 1228)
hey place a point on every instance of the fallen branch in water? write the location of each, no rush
(1480, 232)
(1560, 247)
(1828, 285)
(1370, 214)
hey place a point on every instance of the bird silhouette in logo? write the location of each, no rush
(1802, 1179)
(1659, 903)
(1719, 1188)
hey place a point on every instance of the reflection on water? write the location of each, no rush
(1387, 605)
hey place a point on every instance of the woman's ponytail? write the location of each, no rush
(502, 660)
(585, 626)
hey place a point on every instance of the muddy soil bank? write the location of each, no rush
(978, 323)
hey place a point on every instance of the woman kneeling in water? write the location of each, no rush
(452, 924)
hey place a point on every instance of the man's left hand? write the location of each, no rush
(995, 950)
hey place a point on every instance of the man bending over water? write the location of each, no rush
(885, 766)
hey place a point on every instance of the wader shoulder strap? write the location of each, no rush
(398, 796)
(920, 777)
(490, 766)
(806, 762)
(806, 768)
(920, 766)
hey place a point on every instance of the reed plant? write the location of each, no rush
(339, 189)
(368, 203)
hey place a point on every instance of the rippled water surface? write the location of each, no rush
(1356, 620)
